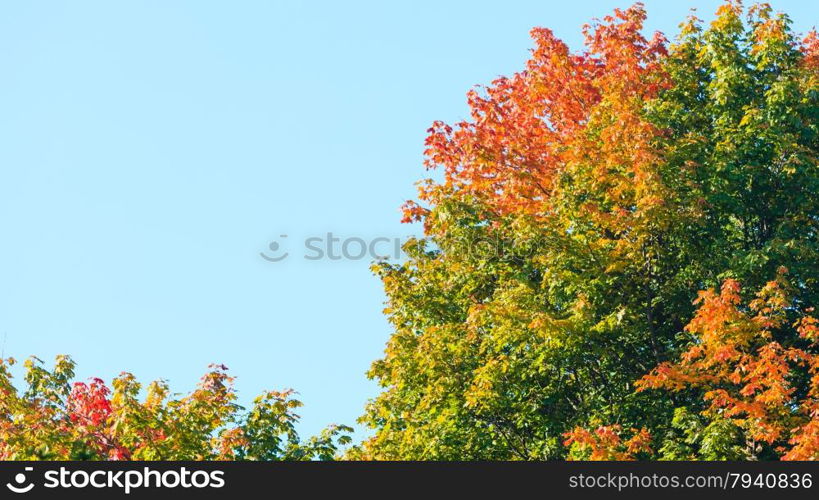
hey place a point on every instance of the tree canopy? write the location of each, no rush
(55, 419)
(552, 310)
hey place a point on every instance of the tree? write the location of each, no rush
(583, 206)
(55, 419)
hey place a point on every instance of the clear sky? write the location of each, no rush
(149, 151)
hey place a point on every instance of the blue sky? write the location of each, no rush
(149, 151)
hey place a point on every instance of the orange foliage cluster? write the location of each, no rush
(565, 110)
(745, 372)
(606, 443)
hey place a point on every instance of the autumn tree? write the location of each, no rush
(57, 419)
(581, 208)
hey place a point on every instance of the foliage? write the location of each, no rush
(54, 419)
(606, 443)
(582, 207)
(749, 364)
